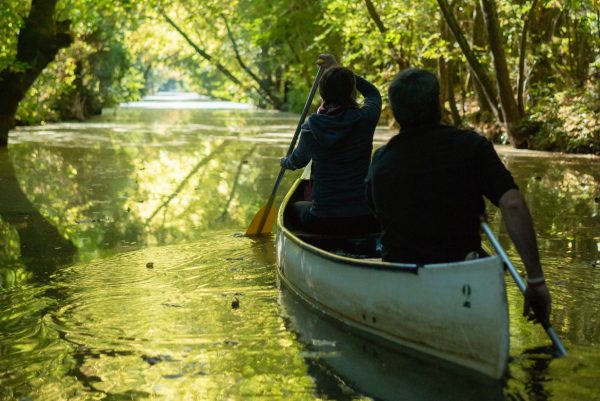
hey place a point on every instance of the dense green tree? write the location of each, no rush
(526, 69)
(40, 37)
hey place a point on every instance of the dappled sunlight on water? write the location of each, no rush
(123, 274)
(124, 327)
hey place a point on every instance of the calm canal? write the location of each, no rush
(121, 256)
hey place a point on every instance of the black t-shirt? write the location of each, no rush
(426, 187)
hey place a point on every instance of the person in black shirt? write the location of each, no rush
(426, 187)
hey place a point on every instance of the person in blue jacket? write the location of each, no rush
(339, 140)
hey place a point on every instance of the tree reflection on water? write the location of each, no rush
(85, 206)
(30, 243)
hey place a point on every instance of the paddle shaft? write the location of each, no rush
(522, 286)
(309, 100)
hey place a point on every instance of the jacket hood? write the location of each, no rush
(330, 129)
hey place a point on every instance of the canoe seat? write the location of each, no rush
(360, 246)
(354, 245)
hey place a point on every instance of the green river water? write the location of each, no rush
(121, 254)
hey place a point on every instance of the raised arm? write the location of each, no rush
(372, 104)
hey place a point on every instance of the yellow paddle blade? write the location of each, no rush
(254, 228)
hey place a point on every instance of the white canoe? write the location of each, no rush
(457, 311)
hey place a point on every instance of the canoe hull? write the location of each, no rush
(375, 369)
(457, 312)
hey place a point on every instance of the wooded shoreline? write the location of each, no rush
(521, 72)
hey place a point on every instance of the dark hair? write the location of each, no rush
(414, 96)
(338, 87)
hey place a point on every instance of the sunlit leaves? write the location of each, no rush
(11, 18)
(125, 49)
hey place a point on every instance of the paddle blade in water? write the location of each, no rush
(255, 229)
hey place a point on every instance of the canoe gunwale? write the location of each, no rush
(351, 262)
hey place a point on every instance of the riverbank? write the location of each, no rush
(564, 124)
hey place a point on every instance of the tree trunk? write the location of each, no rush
(305, 75)
(40, 38)
(542, 30)
(447, 75)
(598, 22)
(510, 110)
(398, 58)
(582, 51)
(451, 72)
(42, 246)
(479, 42)
(474, 64)
(442, 73)
(202, 53)
(224, 70)
(265, 87)
(523, 56)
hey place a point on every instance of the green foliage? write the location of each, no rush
(80, 82)
(568, 120)
(124, 49)
(95, 72)
(11, 13)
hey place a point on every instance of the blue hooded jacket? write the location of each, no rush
(340, 147)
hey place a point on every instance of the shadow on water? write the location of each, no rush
(27, 236)
(32, 249)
